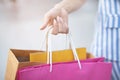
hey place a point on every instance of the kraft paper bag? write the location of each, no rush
(18, 59)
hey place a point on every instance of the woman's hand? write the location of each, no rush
(58, 19)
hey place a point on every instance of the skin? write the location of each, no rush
(57, 17)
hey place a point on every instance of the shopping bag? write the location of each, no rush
(17, 59)
(58, 56)
(90, 69)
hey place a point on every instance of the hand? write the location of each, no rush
(58, 19)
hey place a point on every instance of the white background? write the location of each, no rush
(20, 23)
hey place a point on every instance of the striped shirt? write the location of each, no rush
(107, 38)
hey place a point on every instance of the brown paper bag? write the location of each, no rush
(18, 59)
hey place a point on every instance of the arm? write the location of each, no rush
(70, 5)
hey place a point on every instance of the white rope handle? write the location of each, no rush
(74, 50)
(49, 53)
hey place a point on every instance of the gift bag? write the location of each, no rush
(90, 69)
(58, 56)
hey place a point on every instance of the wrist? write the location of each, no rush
(61, 6)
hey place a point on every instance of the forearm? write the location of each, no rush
(70, 5)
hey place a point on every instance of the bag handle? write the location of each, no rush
(44, 41)
(49, 49)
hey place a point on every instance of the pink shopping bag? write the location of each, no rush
(91, 69)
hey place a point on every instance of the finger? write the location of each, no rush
(50, 22)
(64, 26)
(55, 27)
(59, 24)
(45, 24)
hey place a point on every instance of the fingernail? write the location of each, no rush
(41, 28)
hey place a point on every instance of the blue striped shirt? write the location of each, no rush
(107, 38)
